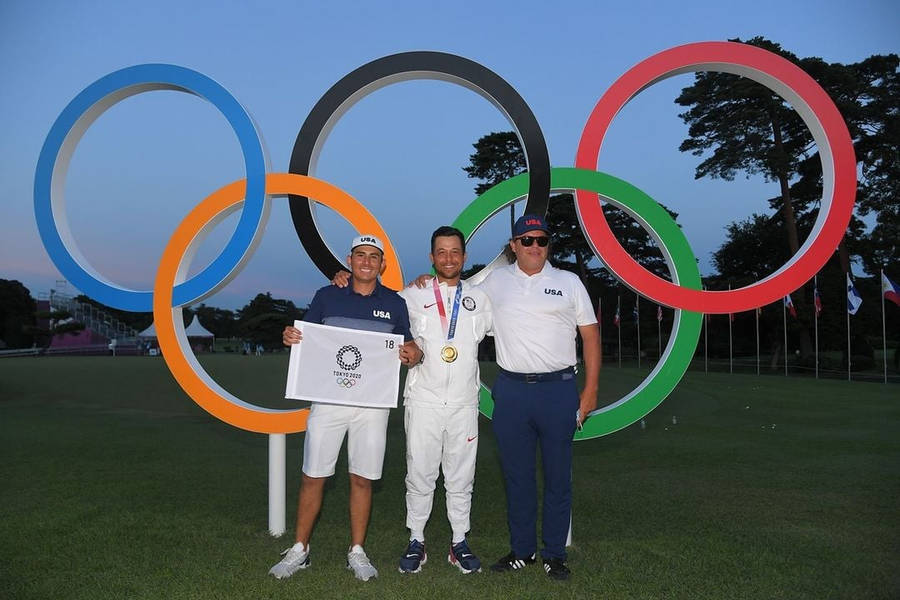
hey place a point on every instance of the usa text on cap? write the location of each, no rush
(366, 240)
(527, 223)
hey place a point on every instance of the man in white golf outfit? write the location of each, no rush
(537, 311)
(447, 320)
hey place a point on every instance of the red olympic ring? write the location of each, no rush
(815, 108)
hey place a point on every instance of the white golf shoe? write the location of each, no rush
(295, 558)
(359, 563)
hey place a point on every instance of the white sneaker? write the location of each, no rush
(295, 558)
(359, 563)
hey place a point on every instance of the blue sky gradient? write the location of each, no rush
(147, 161)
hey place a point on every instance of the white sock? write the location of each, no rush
(417, 535)
(356, 548)
(458, 537)
(299, 546)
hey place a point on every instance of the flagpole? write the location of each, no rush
(619, 326)
(816, 318)
(600, 327)
(758, 308)
(659, 332)
(848, 341)
(883, 331)
(637, 324)
(705, 341)
(784, 318)
(730, 353)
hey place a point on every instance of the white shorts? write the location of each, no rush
(325, 429)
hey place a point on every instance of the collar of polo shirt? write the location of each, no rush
(517, 270)
(349, 289)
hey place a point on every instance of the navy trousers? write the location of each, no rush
(525, 415)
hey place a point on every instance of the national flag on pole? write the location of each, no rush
(789, 305)
(854, 300)
(659, 313)
(817, 299)
(889, 289)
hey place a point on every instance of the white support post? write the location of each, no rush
(277, 444)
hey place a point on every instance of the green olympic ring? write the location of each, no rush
(679, 257)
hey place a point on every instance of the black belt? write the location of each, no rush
(536, 377)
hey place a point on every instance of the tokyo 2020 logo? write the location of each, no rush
(353, 364)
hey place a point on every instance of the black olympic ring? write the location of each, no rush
(343, 381)
(356, 362)
(404, 67)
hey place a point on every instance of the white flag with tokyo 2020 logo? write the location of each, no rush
(344, 366)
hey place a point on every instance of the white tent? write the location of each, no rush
(195, 329)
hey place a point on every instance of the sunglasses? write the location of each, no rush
(527, 240)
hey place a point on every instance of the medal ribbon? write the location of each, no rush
(450, 331)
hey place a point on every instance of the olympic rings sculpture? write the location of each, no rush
(171, 290)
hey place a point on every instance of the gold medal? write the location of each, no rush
(449, 353)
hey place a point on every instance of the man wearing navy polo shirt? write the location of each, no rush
(538, 311)
(368, 305)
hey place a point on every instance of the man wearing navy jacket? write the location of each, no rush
(365, 304)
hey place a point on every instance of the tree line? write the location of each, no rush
(740, 128)
(260, 321)
(737, 127)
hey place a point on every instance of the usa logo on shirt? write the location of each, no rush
(381, 314)
(553, 292)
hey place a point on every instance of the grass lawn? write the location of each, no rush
(116, 485)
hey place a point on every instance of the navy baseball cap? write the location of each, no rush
(527, 223)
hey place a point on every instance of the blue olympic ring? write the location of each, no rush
(53, 162)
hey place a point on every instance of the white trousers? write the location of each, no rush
(440, 438)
